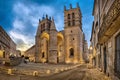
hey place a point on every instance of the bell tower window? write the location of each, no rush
(68, 16)
(44, 27)
(73, 22)
(68, 23)
(73, 15)
(41, 28)
(48, 26)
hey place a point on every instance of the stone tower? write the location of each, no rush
(73, 35)
(53, 43)
(46, 41)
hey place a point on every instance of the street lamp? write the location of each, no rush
(90, 48)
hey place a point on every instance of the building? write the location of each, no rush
(30, 53)
(66, 46)
(105, 38)
(12, 48)
(18, 53)
(7, 45)
(85, 50)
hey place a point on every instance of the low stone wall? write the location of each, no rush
(3, 70)
(13, 61)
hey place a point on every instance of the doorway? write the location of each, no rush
(4, 54)
(57, 57)
(105, 60)
(43, 55)
(71, 51)
(117, 55)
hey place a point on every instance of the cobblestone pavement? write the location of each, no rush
(78, 73)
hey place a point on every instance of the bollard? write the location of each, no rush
(35, 73)
(66, 68)
(62, 69)
(48, 72)
(56, 70)
(69, 68)
(10, 71)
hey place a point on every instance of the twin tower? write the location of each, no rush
(65, 46)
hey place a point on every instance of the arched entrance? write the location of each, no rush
(44, 47)
(60, 40)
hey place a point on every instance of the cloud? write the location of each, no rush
(21, 39)
(26, 21)
(17, 24)
(59, 22)
(28, 13)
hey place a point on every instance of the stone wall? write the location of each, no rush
(13, 61)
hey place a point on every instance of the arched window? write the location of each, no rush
(43, 55)
(73, 22)
(48, 26)
(68, 23)
(71, 52)
(41, 28)
(41, 25)
(0, 47)
(68, 16)
(44, 27)
(73, 15)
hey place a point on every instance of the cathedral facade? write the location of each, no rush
(66, 46)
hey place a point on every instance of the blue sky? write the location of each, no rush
(20, 17)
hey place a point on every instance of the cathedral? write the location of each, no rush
(66, 46)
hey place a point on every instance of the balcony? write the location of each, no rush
(111, 22)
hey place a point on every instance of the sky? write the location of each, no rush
(20, 18)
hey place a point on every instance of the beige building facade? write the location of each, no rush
(64, 46)
(105, 39)
(30, 53)
(86, 51)
(7, 45)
